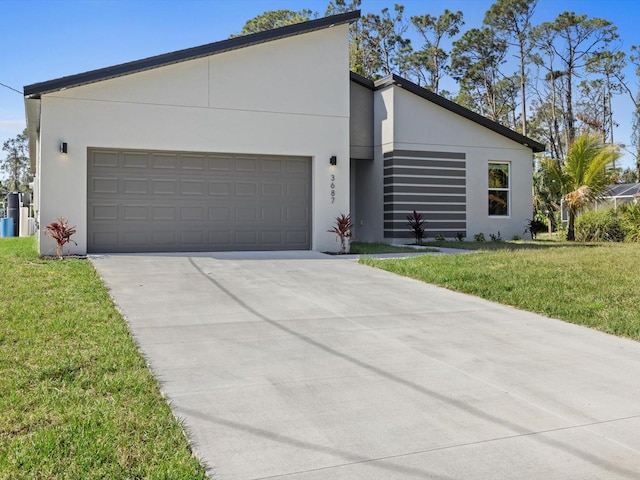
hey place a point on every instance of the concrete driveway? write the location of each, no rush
(304, 366)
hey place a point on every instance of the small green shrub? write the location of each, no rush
(535, 226)
(479, 237)
(599, 226)
(460, 237)
(516, 238)
(440, 238)
(496, 238)
(630, 218)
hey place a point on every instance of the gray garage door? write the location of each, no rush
(147, 201)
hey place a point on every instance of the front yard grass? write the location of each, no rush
(593, 285)
(76, 398)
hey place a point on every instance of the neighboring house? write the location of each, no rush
(619, 194)
(258, 143)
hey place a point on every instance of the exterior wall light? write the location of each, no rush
(333, 160)
(63, 147)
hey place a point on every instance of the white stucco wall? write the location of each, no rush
(421, 125)
(284, 97)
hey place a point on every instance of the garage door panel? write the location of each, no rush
(296, 214)
(164, 186)
(135, 186)
(192, 187)
(192, 238)
(104, 185)
(248, 238)
(173, 201)
(104, 212)
(135, 212)
(224, 189)
(246, 189)
(220, 214)
(164, 161)
(102, 159)
(165, 238)
(272, 166)
(246, 165)
(192, 162)
(221, 238)
(135, 160)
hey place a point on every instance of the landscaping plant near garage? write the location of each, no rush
(78, 400)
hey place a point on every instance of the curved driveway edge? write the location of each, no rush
(304, 366)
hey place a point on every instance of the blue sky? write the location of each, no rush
(47, 39)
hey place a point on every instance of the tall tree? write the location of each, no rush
(587, 171)
(274, 19)
(512, 19)
(430, 62)
(16, 164)
(357, 55)
(574, 40)
(384, 42)
(609, 66)
(475, 63)
(635, 99)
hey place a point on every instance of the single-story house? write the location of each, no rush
(259, 143)
(617, 195)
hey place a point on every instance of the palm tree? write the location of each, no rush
(587, 170)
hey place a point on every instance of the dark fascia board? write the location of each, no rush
(360, 80)
(459, 109)
(235, 43)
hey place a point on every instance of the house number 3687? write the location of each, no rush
(333, 188)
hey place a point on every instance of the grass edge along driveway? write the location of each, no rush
(597, 286)
(76, 397)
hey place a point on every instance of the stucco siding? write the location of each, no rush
(419, 125)
(257, 103)
(361, 125)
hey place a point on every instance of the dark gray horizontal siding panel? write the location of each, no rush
(425, 189)
(419, 162)
(402, 216)
(427, 172)
(424, 198)
(423, 181)
(432, 226)
(428, 233)
(425, 154)
(430, 207)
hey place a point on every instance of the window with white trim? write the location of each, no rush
(499, 193)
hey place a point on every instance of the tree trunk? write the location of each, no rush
(523, 93)
(571, 232)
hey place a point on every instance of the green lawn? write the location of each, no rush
(593, 285)
(76, 397)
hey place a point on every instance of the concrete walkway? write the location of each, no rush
(298, 365)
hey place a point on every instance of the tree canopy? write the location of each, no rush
(16, 165)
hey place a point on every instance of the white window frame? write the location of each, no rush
(507, 189)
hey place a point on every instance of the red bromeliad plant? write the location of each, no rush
(342, 229)
(61, 233)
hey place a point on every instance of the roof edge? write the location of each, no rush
(439, 100)
(162, 60)
(360, 80)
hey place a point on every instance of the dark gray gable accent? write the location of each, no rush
(425, 154)
(92, 76)
(458, 109)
